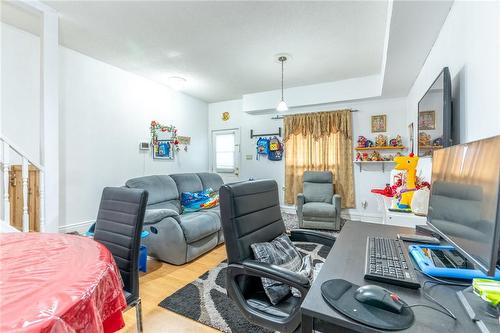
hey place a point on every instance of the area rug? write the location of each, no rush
(205, 299)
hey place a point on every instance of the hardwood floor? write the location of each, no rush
(162, 280)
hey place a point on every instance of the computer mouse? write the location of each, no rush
(379, 297)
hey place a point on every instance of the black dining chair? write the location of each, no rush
(250, 213)
(118, 227)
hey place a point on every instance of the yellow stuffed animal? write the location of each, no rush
(408, 163)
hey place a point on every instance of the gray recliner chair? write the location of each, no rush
(318, 207)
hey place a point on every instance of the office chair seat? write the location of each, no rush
(285, 308)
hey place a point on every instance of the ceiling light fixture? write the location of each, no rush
(282, 107)
(177, 82)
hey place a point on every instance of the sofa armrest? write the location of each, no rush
(337, 203)
(155, 215)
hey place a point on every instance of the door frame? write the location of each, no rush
(237, 151)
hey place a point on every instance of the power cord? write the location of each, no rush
(449, 314)
(435, 282)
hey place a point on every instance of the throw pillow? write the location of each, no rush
(281, 251)
(195, 201)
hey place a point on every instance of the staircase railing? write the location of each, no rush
(6, 148)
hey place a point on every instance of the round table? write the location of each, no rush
(58, 283)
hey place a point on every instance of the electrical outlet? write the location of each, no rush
(364, 204)
(249, 157)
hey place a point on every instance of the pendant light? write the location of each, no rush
(282, 107)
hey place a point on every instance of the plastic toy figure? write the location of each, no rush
(381, 140)
(408, 163)
(361, 141)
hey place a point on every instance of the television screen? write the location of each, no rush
(434, 116)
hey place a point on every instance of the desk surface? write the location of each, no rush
(346, 261)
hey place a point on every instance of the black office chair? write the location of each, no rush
(118, 227)
(250, 213)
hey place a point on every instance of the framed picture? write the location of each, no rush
(426, 120)
(163, 149)
(379, 123)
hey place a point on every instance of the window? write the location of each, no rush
(225, 151)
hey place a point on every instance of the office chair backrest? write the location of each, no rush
(318, 186)
(250, 213)
(119, 226)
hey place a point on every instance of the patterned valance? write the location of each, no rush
(318, 124)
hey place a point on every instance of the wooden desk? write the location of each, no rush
(347, 260)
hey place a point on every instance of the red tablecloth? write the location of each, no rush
(58, 283)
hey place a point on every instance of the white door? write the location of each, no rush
(226, 154)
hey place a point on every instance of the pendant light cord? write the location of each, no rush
(282, 61)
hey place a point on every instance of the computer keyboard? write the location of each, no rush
(387, 261)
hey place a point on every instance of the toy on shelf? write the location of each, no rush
(408, 163)
(396, 142)
(365, 157)
(358, 156)
(381, 140)
(369, 143)
(361, 141)
(438, 142)
(424, 139)
(375, 156)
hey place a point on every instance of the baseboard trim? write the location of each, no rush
(363, 217)
(80, 227)
(288, 209)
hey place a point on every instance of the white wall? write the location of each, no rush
(370, 177)
(104, 113)
(469, 45)
(20, 90)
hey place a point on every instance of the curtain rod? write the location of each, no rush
(281, 117)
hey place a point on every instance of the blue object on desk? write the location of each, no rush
(427, 266)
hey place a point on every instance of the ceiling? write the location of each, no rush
(226, 49)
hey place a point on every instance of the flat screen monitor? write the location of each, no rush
(435, 116)
(464, 202)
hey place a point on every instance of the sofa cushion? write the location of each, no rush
(319, 209)
(156, 215)
(171, 204)
(160, 188)
(318, 192)
(198, 225)
(187, 182)
(318, 177)
(210, 180)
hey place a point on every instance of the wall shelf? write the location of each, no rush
(382, 163)
(430, 147)
(382, 148)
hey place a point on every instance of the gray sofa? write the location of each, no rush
(318, 207)
(177, 237)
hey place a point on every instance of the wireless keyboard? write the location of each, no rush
(387, 261)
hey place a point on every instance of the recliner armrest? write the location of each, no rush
(274, 272)
(311, 236)
(337, 203)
